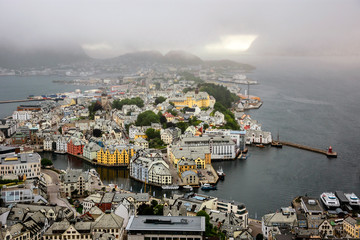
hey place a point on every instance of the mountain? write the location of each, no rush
(182, 58)
(15, 57)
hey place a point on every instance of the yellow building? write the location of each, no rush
(140, 134)
(116, 157)
(191, 99)
(352, 227)
(199, 156)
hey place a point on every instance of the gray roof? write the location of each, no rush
(108, 220)
(175, 223)
(72, 175)
(21, 158)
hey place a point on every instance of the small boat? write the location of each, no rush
(260, 145)
(276, 144)
(170, 187)
(243, 157)
(207, 186)
(188, 187)
(220, 173)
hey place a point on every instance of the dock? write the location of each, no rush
(328, 153)
(21, 100)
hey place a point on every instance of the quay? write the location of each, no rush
(328, 153)
(22, 100)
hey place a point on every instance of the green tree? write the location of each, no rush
(93, 108)
(46, 162)
(208, 225)
(159, 100)
(220, 93)
(259, 237)
(146, 118)
(205, 126)
(97, 132)
(60, 130)
(118, 104)
(183, 126)
(152, 133)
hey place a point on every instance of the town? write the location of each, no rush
(166, 128)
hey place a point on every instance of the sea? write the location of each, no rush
(307, 100)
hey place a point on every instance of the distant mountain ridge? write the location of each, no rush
(12, 57)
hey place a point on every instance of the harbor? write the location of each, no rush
(329, 153)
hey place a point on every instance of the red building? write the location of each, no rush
(75, 147)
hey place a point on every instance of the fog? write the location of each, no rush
(208, 28)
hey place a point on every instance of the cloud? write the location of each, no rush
(232, 43)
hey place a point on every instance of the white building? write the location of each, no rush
(20, 164)
(159, 173)
(90, 150)
(22, 115)
(75, 180)
(270, 223)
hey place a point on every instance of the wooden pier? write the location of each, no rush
(328, 153)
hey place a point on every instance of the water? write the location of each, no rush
(311, 101)
(17, 88)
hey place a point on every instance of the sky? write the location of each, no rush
(208, 28)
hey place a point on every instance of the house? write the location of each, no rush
(75, 146)
(258, 137)
(271, 223)
(190, 178)
(159, 173)
(352, 227)
(90, 150)
(193, 99)
(91, 201)
(75, 181)
(201, 156)
(166, 136)
(326, 229)
(21, 164)
(119, 155)
(141, 142)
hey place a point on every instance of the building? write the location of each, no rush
(141, 142)
(31, 108)
(20, 164)
(90, 150)
(190, 178)
(75, 182)
(118, 156)
(75, 146)
(22, 115)
(352, 227)
(193, 99)
(165, 227)
(326, 230)
(25, 193)
(221, 147)
(238, 209)
(18, 138)
(159, 173)
(199, 154)
(271, 223)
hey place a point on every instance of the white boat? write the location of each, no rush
(220, 173)
(170, 187)
(239, 77)
(353, 199)
(330, 200)
(188, 187)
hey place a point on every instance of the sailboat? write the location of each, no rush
(277, 143)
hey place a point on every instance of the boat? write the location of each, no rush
(170, 187)
(243, 157)
(220, 173)
(188, 187)
(277, 143)
(260, 145)
(330, 200)
(207, 186)
(354, 201)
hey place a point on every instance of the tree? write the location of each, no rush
(206, 126)
(208, 225)
(152, 133)
(183, 126)
(46, 162)
(145, 209)
(93, 108)
(60, 130)
(159, 100)
(259, 237)
(146, 118)
(118, 104)
(97, 133)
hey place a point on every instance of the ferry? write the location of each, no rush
(354, 201)
(330, 200)
(207, 186)
(220, 173)
(170, 187)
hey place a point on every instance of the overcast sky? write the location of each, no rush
(204, 27)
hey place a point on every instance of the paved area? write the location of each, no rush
(53, 187)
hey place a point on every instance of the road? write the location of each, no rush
(53, 187)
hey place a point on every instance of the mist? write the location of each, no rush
(211, 29)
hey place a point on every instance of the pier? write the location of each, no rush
(328, 153)
(22, 100)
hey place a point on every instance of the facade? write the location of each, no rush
(90, 150)
(75, 146)
(352, 227)
(221, 147)
(270, 223)
(75, 180)
(190, 178)
(21, 164)
(165, 227)
(119, 156)
(326, 229)
(159, 173)
(22, 115)
(238, 209)
(141, 142)
(192, 99)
